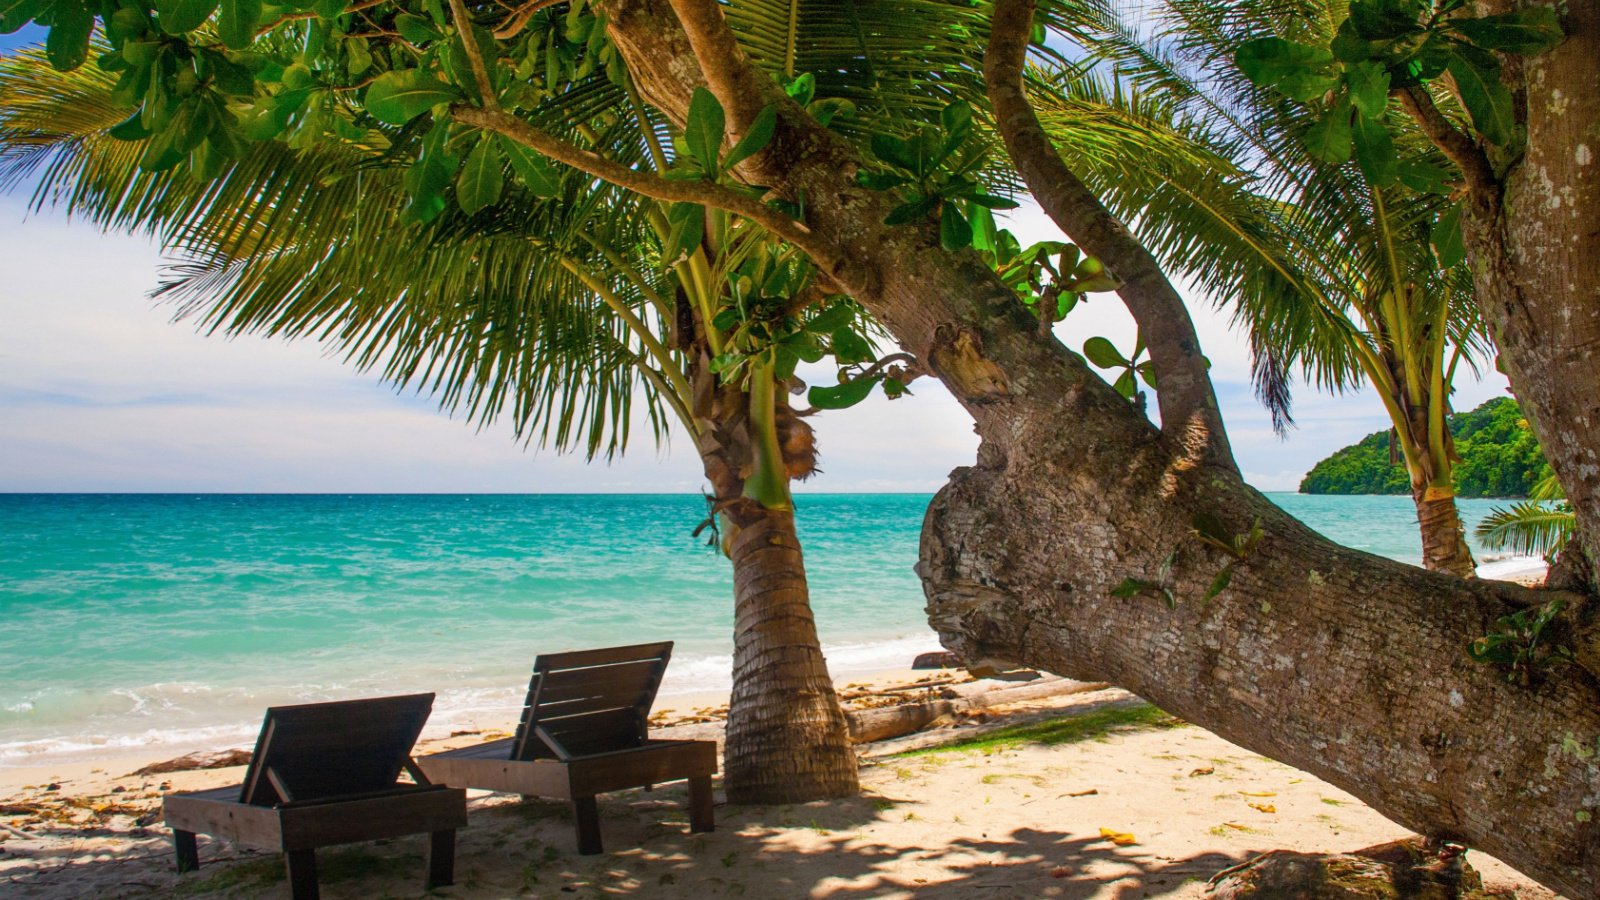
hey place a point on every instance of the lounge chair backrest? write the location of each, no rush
(590, 701)
(319, 750)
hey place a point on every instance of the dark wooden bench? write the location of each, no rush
(325, 774)
(585, 731)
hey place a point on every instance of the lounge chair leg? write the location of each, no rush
(442, 858)
(188, 851)
(588, 816)
(700, 802)
(302, 874)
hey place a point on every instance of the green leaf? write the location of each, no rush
(536, 173)
(914, 211)
(1530, 30)
(1382, 20)
(183, 16)
(687, 223)
(897, 152)
(1329, 138)
(482, 178)
(1486, 99)
(849, 347)
(1374, 151)
(1445, 236)
(955, 233)
(130, 129)
(1369, 88)
(68, 44)
(416, 29)
(831, 319)
(16, 13)
(842, 396)
(1126, 384)
(1268, 61)
(398, 97)
(1103, 353)
(990, 201)
(1424, 177)
(1220, 583)
(755, 139)
(703, 131)
(802, 88)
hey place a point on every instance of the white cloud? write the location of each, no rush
(101, 391)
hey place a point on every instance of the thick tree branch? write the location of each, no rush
(645, 183)
(469, 42)
(728, 72)
(1188, 407)
(519, 20)
(1467, 156)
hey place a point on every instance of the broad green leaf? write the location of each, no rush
(849, 347)
(1382, 20)
(1126, 385)
(802, 88)
(1267, 61)
(398, 97)
(687, 223)
(755, 139)
(954, 231)
(1329, 138)
(1220, 583)
(482, 178)
(829, 108)
(1374, 151)
(416, 29)
(68, 44)
(831, 319)
(1446, 238)
(1369, 88)
(1530, 30)
(914, 211)
(1487, 100)
(537, 174)
(183, 16)
(129, 129)
(992, 202)
(16, 13)
(1424, 177)
(1308, 85)
(842, 396)
(1103, 353)
(704, 129)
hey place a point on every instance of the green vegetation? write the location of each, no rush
(1499, 457)
(1066, 730)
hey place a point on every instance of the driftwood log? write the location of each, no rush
(867, 725)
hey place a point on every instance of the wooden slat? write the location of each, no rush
(604, 656)
(500, 749)
(328, 749)
(540, 777)
(595, 732)
(655, 763)
(256, 826)
(409, 812)
(624, 678)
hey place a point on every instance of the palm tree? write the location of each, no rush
(1332, 274)
(1540, 525)
(558, 313)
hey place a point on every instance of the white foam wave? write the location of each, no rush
(1510, 567)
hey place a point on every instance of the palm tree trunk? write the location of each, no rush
(1444, 540)
(787, 738)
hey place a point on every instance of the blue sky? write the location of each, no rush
(101, 391)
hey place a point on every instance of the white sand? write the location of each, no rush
(1023, 821)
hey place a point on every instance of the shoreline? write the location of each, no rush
(1026, 818)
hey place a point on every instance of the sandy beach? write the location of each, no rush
(1089, 795)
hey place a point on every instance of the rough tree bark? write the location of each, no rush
(1343, 664)
(1532, 230)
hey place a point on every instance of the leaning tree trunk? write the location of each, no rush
(1349, 666)
(787, 738)
(1534, 244)
(788, 741)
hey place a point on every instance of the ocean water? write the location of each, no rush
(136, 620)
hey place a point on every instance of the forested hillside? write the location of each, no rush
(1499, 458)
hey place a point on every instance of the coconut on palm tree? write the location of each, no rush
(1330, 268)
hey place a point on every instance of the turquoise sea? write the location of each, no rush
(133, 620)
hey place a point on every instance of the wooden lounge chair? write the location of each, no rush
(584, 731)
(324, 774)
